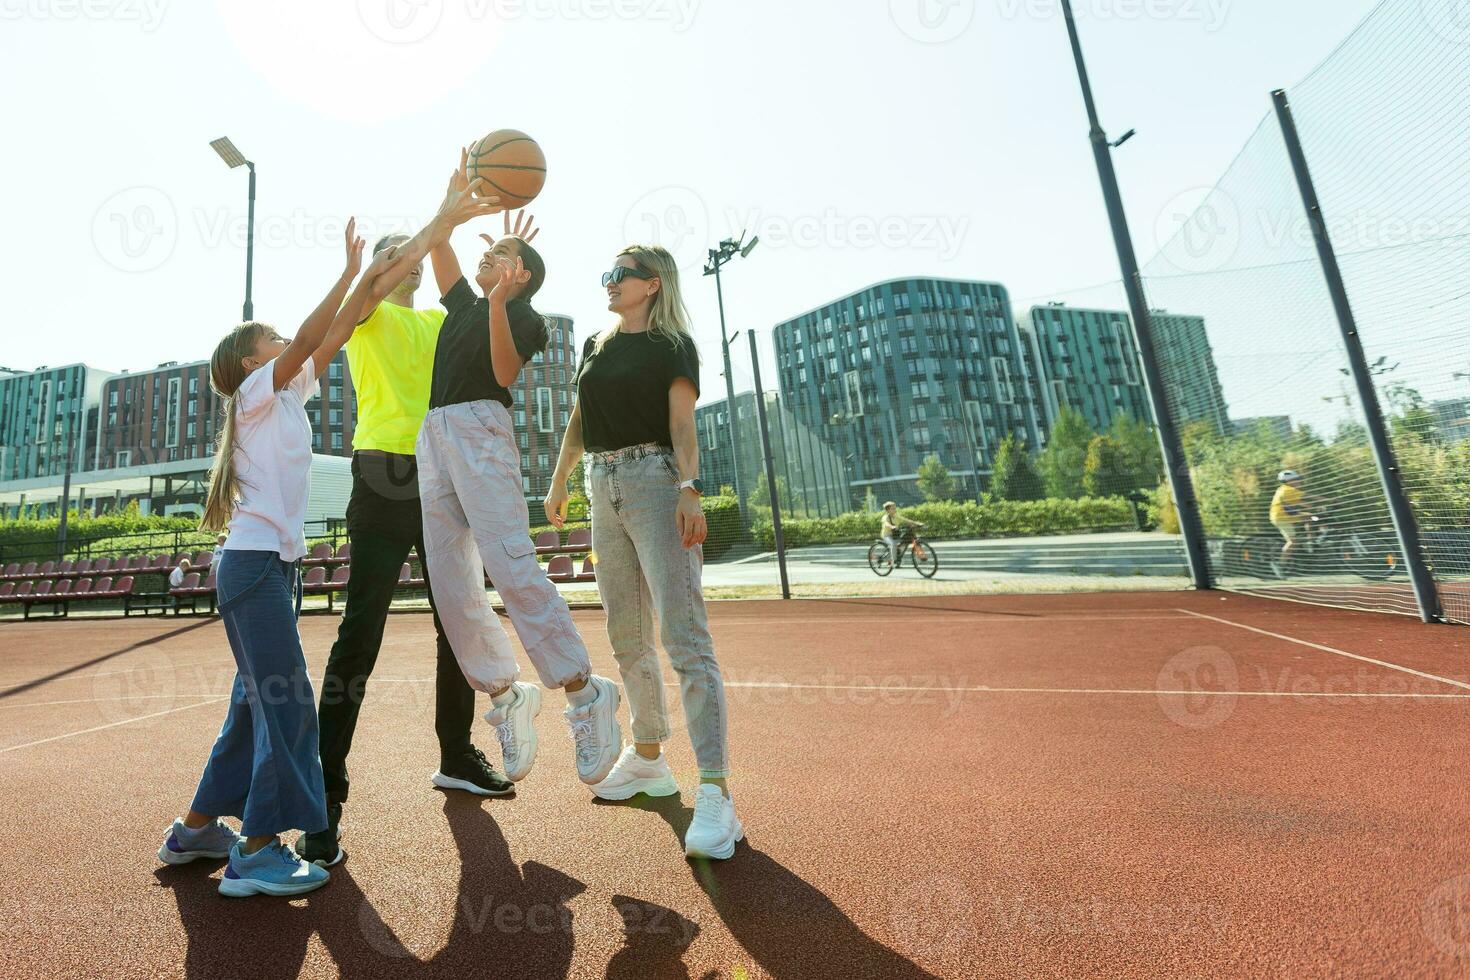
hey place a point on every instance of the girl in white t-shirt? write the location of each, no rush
(264, 768)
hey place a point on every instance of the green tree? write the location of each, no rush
(1104, 474)
(1014, 477)
(760, 495)
(1065, 454)
(1140, 461)
(935, 481)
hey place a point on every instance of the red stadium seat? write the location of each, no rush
(548, 540)
(65, 567)
(6, 588)
(340, 576)
(102, 564)
(559, 569)
(83, 586)
(581, 539)
(24, 589)
(179, 559)
(12, 570)
(344, 551)
(46, 568)
(321, 553)
(202, 558)
(189, 584)
(62, 587)
(103, 586)
(83, 566)
(315, 576)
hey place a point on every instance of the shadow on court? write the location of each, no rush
(151, 641)
(788, 925)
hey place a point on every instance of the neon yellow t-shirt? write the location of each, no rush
(1286, 505)
(391, 357)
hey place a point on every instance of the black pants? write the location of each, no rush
(383, 523)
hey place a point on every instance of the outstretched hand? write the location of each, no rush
(462, 198)
(525, 227)
(501, 274)
(355, 246)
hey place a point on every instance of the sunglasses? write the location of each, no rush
(621, 272)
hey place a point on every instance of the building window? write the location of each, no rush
(171, 412)
(543, 461)
(1125, 352)
(1059, 394)
(545, 418)
(1001, 369)
(852, 392)
(124, 457)
(336, 440)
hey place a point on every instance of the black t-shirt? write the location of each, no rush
(463, 371)
(624, 389)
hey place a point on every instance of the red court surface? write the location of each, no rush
(1181, 784)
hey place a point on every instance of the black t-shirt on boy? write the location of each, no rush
(623, 389)
(463, 371)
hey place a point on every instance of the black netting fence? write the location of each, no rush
(1256, 367)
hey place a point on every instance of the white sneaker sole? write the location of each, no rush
(449, 782)
(612, 737)
(724, 850)
(533, 694)
(184, 857)
(245, 887)
(656, 786)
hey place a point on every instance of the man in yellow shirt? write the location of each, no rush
(1289, 513)
(391, 357)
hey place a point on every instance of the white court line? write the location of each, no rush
(940, 620)
(1327, 649)
(88, 731)
(124, 697)
(983, 689)
(85, 676)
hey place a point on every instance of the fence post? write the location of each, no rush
(760, 410)
(1404, 523)
(1181, 485)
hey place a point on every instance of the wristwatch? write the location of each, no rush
(696, 484)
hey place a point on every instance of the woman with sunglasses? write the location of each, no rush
(634, 417)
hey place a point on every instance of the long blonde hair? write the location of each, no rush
(226, 374)
(669, 317)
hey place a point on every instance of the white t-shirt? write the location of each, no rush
(272, 463)
(176, 577)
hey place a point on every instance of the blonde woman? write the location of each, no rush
(634, 418)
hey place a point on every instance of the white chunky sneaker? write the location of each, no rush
(596, 732)
(634, 774)
(515, 726)
(715, 829)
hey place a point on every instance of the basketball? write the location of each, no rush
(512, 165)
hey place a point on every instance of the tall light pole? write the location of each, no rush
(1177, 464)
(234, 158)
(726, 251)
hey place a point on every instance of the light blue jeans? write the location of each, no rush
(643, 571)
(265, 767)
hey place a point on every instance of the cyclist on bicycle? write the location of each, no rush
(894, 528)
(1289, 512)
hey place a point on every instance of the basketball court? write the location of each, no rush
(1085, 785)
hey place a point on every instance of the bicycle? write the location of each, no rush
(1369, 555)
(919, 552)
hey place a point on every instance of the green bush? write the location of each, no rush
(721, 515)
(967, 519)
(34, 537)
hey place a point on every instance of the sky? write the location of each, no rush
(862, 140)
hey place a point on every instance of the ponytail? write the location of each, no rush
(226, 374)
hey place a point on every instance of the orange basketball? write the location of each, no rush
(512, 165)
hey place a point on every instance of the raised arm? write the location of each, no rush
(460, 205)
(386, 264)
(496, 280)
(315, 328)
(571, 450)
(690, 516)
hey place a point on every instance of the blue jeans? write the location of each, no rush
(265, 767)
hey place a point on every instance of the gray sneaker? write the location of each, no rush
(275, 869)
(183, 845)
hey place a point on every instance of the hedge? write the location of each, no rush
(721, 514)
(950, 519)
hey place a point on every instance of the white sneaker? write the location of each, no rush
(515, 726)
(634, 774)
(596, 732)
(715, 829)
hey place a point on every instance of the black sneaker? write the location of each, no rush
(471, 771)
(324, 847)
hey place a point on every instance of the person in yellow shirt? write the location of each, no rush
(1290, 513)
(391, 358)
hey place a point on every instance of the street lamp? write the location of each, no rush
(234, 158)
(718, 257)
